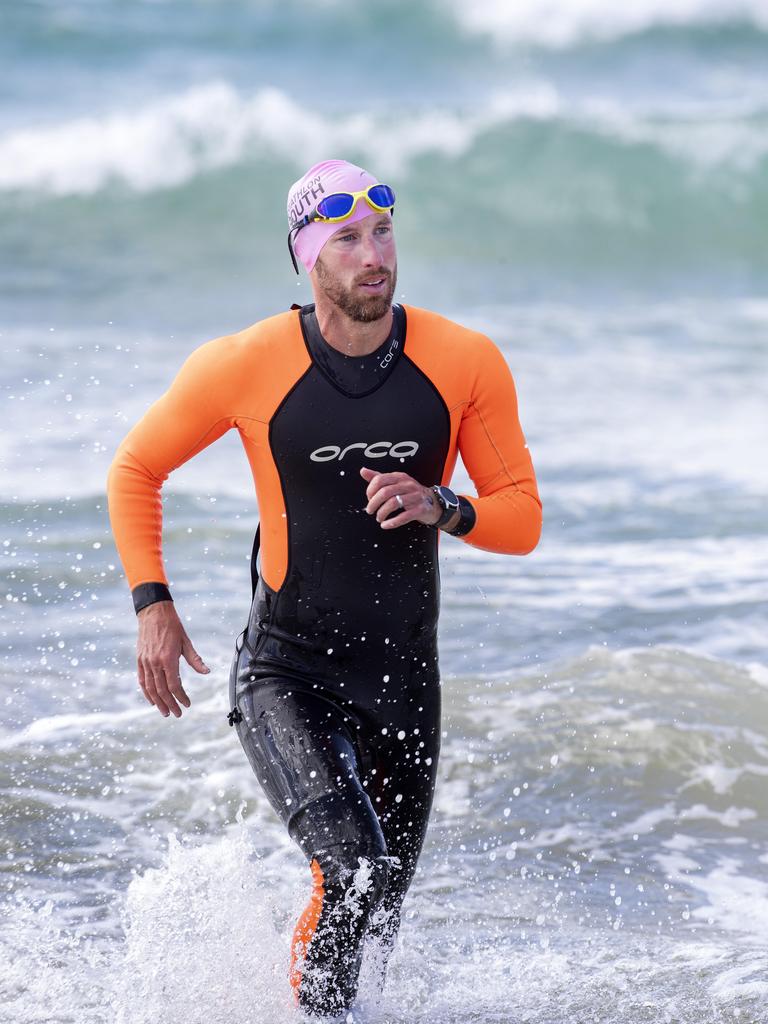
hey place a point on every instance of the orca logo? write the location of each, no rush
(384, 363)
(376, 450)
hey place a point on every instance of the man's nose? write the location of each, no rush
(373, 248)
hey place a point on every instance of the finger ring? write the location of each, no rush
(399, 501)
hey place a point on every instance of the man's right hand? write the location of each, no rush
(162, 641)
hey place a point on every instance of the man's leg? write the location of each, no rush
(401, 791)
(349, 879)
(300, 747)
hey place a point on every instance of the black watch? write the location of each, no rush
(447, 501)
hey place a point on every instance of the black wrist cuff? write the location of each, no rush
(149, 593)
(467, 518)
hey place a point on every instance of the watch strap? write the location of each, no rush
(448, 514)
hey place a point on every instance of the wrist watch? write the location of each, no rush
(451, 503)
(447, 501)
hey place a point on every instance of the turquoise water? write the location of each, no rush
(588, 186)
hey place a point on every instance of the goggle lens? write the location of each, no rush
(341, 204)
(381, 195)
(338, 205)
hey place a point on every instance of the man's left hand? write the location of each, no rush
(417, 503)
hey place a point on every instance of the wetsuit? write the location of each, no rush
(335, 687)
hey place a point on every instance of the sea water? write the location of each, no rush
(585, 184)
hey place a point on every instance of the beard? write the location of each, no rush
(363, 309)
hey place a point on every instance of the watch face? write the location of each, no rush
(447, 498)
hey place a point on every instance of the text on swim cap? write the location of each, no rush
(303, 201)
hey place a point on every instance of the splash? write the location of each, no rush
(203, 939)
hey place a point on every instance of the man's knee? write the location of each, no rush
(357, 874)
(338, 828)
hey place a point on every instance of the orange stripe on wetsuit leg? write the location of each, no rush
(305, 927)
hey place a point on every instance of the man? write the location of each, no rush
(352, 412)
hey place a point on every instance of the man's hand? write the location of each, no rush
(417, 502)
(162, 641)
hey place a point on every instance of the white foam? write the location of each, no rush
(204, 935)
(758, 672)
(56, 728)
(207, 934)
(746, 978)
(732, 817)
(563, 23)
(736, 901)
(206, 938)
(176, 138)
(722, 778)
(47, 973)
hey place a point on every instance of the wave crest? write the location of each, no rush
(178, 138)
(560, 24)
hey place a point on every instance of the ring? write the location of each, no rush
(399, 501)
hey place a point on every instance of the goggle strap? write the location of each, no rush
(302, 222)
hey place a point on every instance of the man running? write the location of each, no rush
(352, 412)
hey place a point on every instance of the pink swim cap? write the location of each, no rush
(324, 179)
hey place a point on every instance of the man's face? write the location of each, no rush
(357, 268)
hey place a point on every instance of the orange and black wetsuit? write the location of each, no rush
(335, 687)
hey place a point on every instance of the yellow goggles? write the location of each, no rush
(340, 205)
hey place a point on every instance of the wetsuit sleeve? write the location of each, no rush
(494, 451)
(187, 418)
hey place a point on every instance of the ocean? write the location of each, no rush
(586, 184)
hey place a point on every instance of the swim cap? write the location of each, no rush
(324, 179)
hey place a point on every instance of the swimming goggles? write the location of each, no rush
(339, 206)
